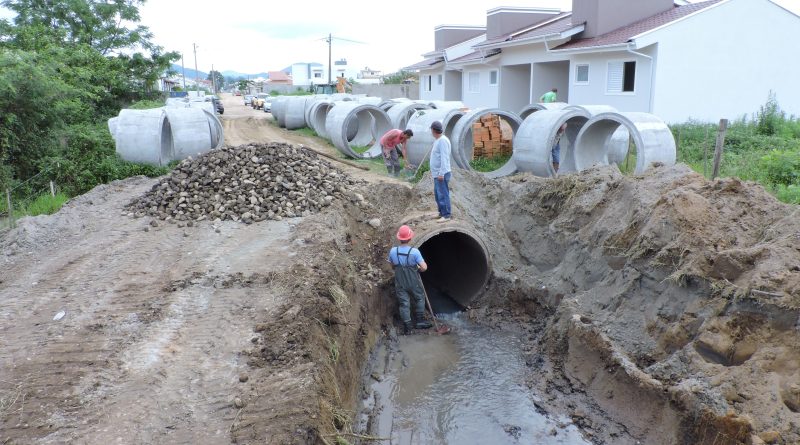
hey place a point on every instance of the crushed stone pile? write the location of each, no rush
(248, 183)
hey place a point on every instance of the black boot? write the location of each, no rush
(406, 328)
(422, 323)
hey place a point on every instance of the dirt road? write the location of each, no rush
(150, 347)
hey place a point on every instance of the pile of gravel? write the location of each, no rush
(248, 183)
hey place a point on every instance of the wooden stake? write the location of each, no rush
(52, 189)
(723, 129)
(705, 155)
(10, 208)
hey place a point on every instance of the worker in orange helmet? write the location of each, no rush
(408, 263)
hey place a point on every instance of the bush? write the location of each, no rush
(788, 193)
(769, 117)
(781, 167)
(147, 104)
(46, 204)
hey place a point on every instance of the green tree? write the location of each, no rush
(244, 84)
(400, 77)
(217, 78)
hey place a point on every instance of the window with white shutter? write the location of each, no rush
(621, 77)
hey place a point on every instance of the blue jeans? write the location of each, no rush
(442, 194)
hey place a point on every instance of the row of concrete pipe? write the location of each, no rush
(594, 135)
(159, 136)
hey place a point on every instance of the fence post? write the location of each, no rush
(10, 208)
(723, 128)
(52, 189)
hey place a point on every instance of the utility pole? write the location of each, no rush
(330, 40)
(196, 74)
(183, 68)
(213, 79)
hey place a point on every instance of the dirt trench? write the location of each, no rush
(655, 309)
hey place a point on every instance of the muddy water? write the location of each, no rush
(462, 388)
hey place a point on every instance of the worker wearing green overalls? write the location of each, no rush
(408, 263)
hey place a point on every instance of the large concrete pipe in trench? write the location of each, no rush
(527, 110)
(401, 112)
(462, 140)
(419, 147)
(372, 124)
(458, 264)
(192, 132)
(278, 110)
(534, 141)
(144, 136)
(652, 137)
(296, 113)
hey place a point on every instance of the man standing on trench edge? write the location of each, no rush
(389, 143)
(440, 171)
(408, 263)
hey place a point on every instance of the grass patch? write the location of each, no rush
(305, 131)
(46, 204)
(486, 165)
(360, 149)
(147, 104)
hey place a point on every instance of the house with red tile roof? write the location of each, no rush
(705, 60)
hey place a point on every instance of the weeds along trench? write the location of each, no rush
(660, 309)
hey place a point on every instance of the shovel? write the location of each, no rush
(442, 328)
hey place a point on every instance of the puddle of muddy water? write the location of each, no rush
(462, 388)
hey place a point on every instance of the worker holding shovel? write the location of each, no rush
(389, 143)
(408, 263)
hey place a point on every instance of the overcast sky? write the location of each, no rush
(254, 36)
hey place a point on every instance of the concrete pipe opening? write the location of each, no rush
(217, 132)
(458, 267)
(463, 142)
(532, 108)
(534, 142)
(420, 145)
(650, 135)
(400, 113)
(372, 124)
(318, 115)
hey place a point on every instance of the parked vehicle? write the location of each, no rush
(259, 100)
(248, 98)
(267, 106)
(237, 93)
(218, 104)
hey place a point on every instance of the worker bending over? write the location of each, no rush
(389, 143)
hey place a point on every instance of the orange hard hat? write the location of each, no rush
(405, 233)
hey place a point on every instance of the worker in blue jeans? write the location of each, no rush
(440, 171)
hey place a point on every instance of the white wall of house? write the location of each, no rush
(723, 62)
(431, 84)
(477, 89)
(602, 87)
(453, 84)
(515, 87)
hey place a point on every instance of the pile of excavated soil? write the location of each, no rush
(671, 301)
(248, 183)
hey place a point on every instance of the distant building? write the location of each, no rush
(280, 78)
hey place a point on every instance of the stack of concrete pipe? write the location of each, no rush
(352, 123)
(161, 135)
(532, 108)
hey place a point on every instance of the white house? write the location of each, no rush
(305, 74)
(680, 61)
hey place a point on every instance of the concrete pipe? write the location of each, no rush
(344, 97)
(144, 136)
(318, 115)
(387, 104)
(446, 104)
(534, 141)
(217, 132)
(458, 265)
(370, 100)
(372, 124)
(295, 113)
(532, 108)
(191, 131)
(278, 110)
(112, 126)
(310, 104)
(652, 137)
(178, 102)
(401, 112)
(419, 146)
(208, 106)
(462, 140)
(618, 146)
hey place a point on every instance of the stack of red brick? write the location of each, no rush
(492, 137)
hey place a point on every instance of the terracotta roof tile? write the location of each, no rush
(278, 76)
(624, 34)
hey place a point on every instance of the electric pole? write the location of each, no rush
(196, 74)
(330, 40)
(213, 79)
